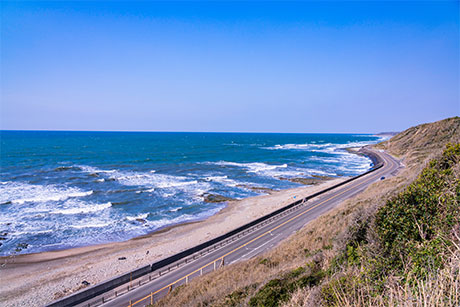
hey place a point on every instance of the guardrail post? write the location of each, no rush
(201, 272)
(130, 303)
(151, 298)
(222, 261)
(115, 293)
(170, 289)
(186, 279)
(214, 265)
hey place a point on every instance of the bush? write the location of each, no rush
(412, 234)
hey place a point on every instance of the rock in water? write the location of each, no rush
(215, 198)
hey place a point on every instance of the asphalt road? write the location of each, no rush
(247, 245)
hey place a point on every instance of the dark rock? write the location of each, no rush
(1, 238)
(21, 246)
(66, 168)
(122, 258)
(215, 198)
(323, 177)
(304, 181)
(3, 234)
(256, 189)
(147, 252)
(141, 221)
(85, 283)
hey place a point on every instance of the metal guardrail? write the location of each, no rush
(151, 272)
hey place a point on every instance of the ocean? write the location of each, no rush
(66, 189)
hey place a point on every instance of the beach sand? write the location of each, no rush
(40, 278)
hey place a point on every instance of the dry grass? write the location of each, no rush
(415, 145)
(315, 240)
(440, 289)
(321, 240)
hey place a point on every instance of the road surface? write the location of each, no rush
(244, 246)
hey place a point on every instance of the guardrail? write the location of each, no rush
(173, 262)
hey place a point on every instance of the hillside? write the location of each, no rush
(418, 143)
(397, 243)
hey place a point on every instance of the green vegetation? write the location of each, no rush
(279, 290)
(395, 244)
(411, 237)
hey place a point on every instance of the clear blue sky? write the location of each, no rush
(361, 66)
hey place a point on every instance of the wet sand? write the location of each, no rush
(38, 279)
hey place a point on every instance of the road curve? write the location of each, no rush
(245, 246)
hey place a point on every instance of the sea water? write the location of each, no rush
(68, 189)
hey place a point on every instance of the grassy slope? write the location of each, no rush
(346, 257)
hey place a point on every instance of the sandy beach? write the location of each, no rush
(38, 279)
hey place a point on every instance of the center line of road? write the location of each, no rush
(255, 249)
(371, 178)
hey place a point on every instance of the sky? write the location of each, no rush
(306, 67)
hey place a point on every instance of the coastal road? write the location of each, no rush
(250, 244)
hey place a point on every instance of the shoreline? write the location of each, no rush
(61, 272)
(52, 275)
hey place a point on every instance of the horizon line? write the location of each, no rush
(164, 131)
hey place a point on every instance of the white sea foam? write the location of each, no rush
(20, 193)
(260, 169)
(53, 196)
(88, 225)
(166, 185)
(83, 208)
(142, 216)
(152, 180)
(336, 154)
(93, 170)
(215, 178)
(175, 209)
(222, 180)
(167, 194)
(321, 147)
(308, 146)
(254, 167)
(30, 232)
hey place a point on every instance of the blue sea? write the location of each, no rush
(67, 189)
